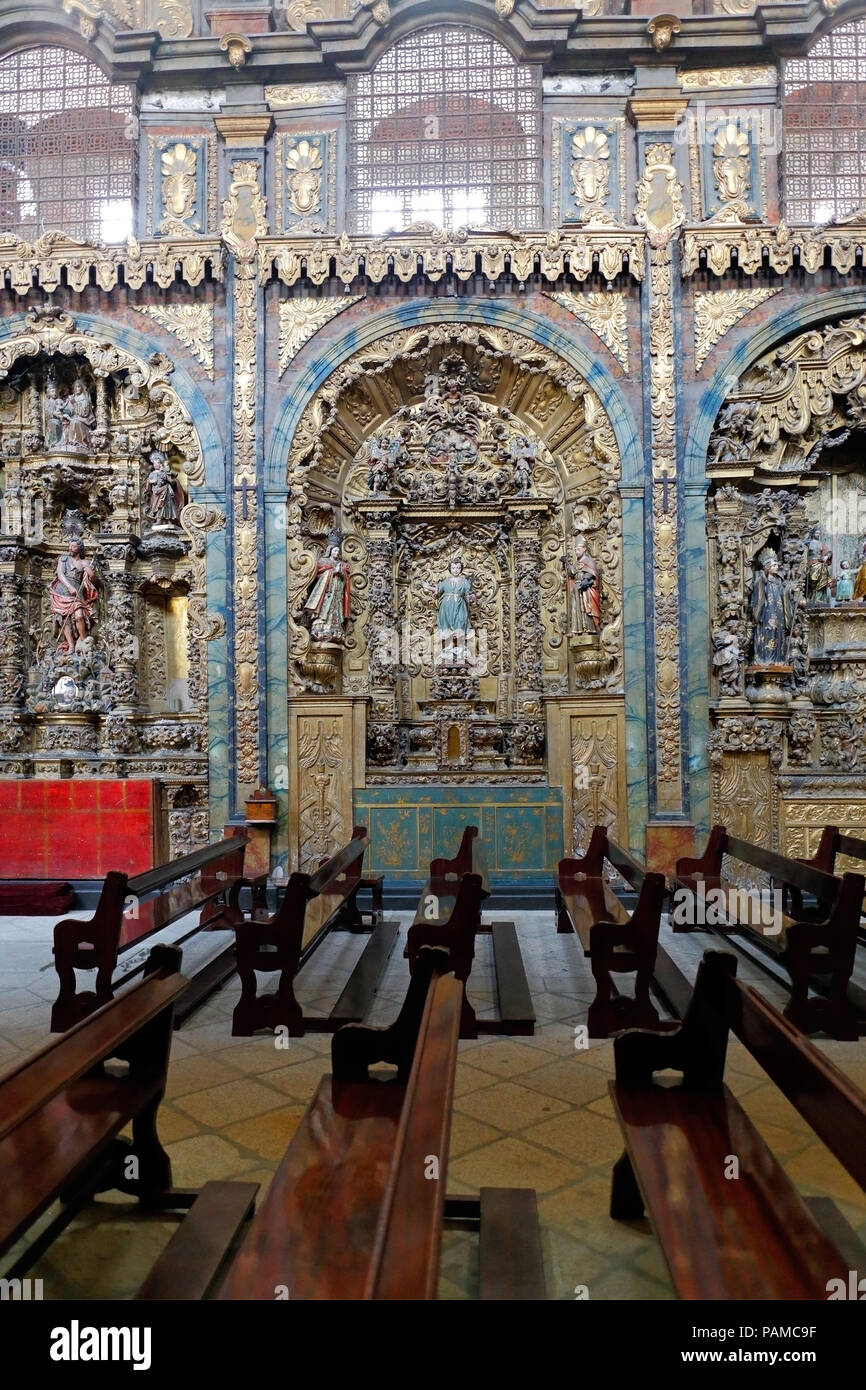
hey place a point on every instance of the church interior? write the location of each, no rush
(432, 650)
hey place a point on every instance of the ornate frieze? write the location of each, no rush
(301, 319)
(434, 253)
(55, 257)
(779, 248)
(702, 79)
(717, 311)
(191, 324)
(605, 314)
(172, 19)
(314, 94)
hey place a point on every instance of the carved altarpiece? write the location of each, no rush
(788, 744)
(479, 448)
(97, 454)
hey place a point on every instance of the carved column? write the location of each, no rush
(527, 519)
(660, 210)
(377, 521)
(13, 650)
(244, 221)
(121, 635)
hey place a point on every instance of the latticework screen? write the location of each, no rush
(66, 152)
(445, 129)
(824, 103)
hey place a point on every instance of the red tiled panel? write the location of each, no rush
(77, 828)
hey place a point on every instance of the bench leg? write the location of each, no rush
(626, 1202)
(563, 921)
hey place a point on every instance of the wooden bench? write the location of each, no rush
(451, 917)
(313, 906)
(749, 1236)
(62, 1111)
(813, 952)
(132, 909)
(831, 844)
(616, 941)
(356, 1208)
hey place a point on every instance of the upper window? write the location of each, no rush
(824, 99)
(66, 152)
(445, 129)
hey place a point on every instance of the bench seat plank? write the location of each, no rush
(192, 1261)
(589, 901)
(517, 1016)
(749, 1238)
(357, 997)
(511, 1268)
(157, 913)
(315, 1230)
(53, 1148)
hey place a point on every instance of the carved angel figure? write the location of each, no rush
(383, 450)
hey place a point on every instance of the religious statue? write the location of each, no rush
(584, 586)
(523, 456)
(845, 583)
(773, 612)
(860, 580)
(329, 598)
(72, 597)
(452, 622)
(382, 450)
(162, 492)
(52, 409)
(817, 568)
(78, 419)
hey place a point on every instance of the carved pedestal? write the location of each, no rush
(326, 758)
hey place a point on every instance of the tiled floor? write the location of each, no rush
(528, 1112)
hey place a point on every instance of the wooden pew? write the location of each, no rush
(356, 1208)
(313, 906)
(447, 916)
(61, 1115)
(813, 952)
(831, 844)
(616, 941)
(747, 1238)
(132, 909)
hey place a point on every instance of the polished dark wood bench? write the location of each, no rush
(618, 941)
(62, 1113)
(750, 1236)
(449, 917)
(356, 1208)
(130, 910)
(314, 905)
(818, 951)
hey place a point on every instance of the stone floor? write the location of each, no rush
(530, 1112)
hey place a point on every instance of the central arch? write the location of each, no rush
(317, 446)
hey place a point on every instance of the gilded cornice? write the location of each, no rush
(434, 253)
(44, 264)
(778, 248)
